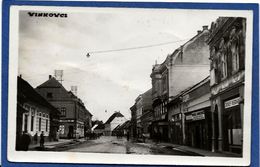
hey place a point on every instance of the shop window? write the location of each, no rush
(234, 128)
(62, 129)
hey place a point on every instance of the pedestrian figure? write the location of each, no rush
(143, 137)
(57, 135)
(35, 138)
(159, 136)
(25, 141)
(127, 135)
(42, 140)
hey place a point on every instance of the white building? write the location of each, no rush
(113, 121)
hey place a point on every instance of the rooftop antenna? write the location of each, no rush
(58, 74)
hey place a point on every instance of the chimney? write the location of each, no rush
(205, 28)
(50, 76)
(199, 31)
(20, 75)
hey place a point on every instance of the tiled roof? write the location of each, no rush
(27, 92)
(112, 117)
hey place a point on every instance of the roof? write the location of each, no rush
(52, 82)
(26, 92)
(122, 126)
(100, 126)
(113, 116)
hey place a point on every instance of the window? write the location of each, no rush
(235, 58)
(33, 111)
(26, 107)
(63, 111)
(32, 122)
(47, 116)
(40, 114)
(43, 114)
(164, 82)
(223, 64)
(47, 125)
(49, 95)
(25, 122)
(40, 124)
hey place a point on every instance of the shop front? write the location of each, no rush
(197, 128)
(160, 131)
(232, 131)
(228, 129)
(176, 129)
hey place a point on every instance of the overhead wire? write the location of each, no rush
(136, 47)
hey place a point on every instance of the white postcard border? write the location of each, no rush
(102, 158)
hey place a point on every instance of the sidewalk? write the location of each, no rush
(188, 149)
(54, 144)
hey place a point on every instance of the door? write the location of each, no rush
(70, 134)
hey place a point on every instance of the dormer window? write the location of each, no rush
(49, 95)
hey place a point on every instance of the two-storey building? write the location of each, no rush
(75, 119)
(227, 76)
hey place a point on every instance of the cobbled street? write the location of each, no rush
(112, 144)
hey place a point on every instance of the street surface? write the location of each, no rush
(111, 144)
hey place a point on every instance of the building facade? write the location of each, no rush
(133, 123)
(175, 115)
(34, 114)
(186, 66)
(143, 105)
(75, 119)
(113, 121)
(159, 76)
(197, 116)
(227, 76)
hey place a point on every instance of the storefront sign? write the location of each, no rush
(189, 117)
(232, 103)
(67, 120)
(199, 115)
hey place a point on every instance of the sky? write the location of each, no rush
(107, 82)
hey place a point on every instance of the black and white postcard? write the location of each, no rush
(111, 85)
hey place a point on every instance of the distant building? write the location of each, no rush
(227, 77)
(122, 129)
(133, 125)
(100, 129)
(34, 113)
(75, 119)
(113, 121)
(144, 113)
(160, 91)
